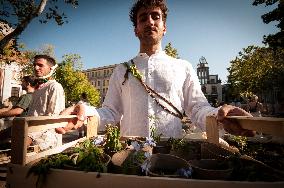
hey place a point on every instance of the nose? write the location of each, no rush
(150, 20)
(36, 67)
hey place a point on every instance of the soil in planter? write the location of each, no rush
(189, 150)
(246, 169)
(269, 153)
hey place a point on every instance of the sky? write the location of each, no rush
(102, 34)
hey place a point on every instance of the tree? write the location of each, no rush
(171, 51)
(75, 82)
(19, 13)
(11, 54)
(27, 67)
(256, 70)
(273, 40)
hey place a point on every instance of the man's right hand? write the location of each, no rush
(78, 110)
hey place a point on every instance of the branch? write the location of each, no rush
(22, 25)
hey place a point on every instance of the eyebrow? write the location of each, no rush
(146, 13)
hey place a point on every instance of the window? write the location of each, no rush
(214, 90)
(104, 82)
(15, 92)
(99, 83)
(203, 89)
(93, 74)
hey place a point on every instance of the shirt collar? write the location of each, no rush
(158, 52)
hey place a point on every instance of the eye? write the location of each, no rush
(155, 16)
(143, 18)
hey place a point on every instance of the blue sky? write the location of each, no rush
(101, 33)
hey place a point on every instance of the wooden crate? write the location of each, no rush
(23, 125)
(17, 170)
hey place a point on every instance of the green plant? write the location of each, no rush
(154, 135)
(241, 142)
(112, 139)
(179, 144)
(85, 156)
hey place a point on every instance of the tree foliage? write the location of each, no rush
(171, 51)
(27, 67)
(75, 82)
(11, 54)
(274, 40)
(257, 69)
(19, 13)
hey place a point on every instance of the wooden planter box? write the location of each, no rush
(18, 168)
(76, 179)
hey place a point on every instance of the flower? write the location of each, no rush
(136, 145)
(98, 141)
(184, 172)
(150, 142)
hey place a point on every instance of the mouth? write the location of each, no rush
(150, 30)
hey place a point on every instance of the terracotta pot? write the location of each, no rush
(162, 147)
(118, 161)
(210, 169)
(213, 151)
(166, 165)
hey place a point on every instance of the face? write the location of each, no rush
(24, 85)
(150, 26)
(41, 67)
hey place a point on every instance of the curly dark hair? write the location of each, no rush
(30, 79)
(147, 4)
(49, 59)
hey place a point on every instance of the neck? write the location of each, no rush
(150, 49)
(30, 90)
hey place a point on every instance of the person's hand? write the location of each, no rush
(230, 125)
(78, 110)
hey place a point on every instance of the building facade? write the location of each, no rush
(210, 84)
(99, 78)
(10, 82)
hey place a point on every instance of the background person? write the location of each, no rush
(48, 99)
(20, 108)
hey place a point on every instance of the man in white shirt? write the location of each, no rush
(48, 99)
(164, 87)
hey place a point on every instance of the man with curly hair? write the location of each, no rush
(153, 84)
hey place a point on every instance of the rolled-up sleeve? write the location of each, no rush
(196, 105)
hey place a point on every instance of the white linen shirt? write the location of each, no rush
(131, 105)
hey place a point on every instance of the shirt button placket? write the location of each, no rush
(150, 84)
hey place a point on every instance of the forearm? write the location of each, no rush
(4, 110)
(11, 113)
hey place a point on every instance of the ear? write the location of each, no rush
(135, 31)
(165, 29)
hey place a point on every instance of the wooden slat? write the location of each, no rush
(45, 125)
(212, 130)
(267, 125)
(52, 151)
(40, 118)
(73, 179)
(92, 127)
(19, 141)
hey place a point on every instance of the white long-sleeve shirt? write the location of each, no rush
(130, 104)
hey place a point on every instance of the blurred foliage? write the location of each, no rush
(18, 14)
(257, 69)
(74, 82)
(171, 51)
(277, 15)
